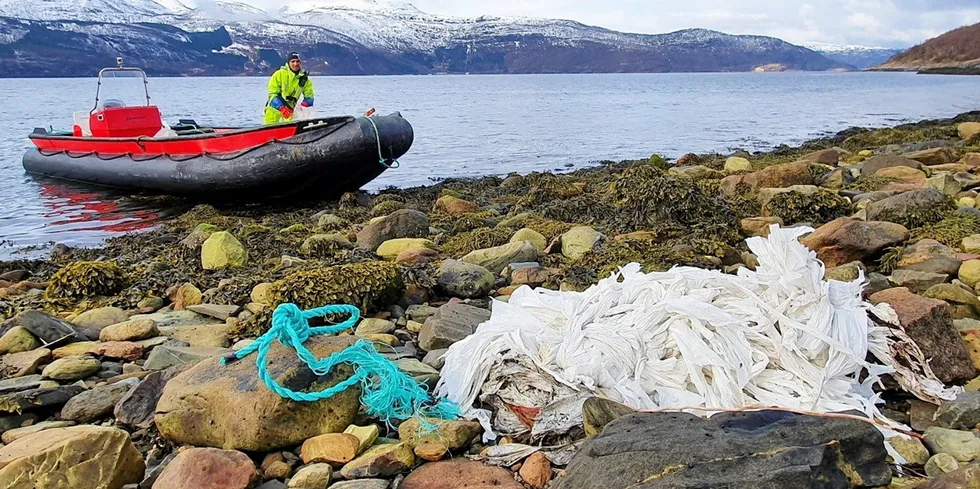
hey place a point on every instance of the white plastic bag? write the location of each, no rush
(302, 113)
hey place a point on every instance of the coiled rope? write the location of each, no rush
(387, 393)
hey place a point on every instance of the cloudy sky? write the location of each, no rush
(889, 23)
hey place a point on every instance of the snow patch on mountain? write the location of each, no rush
(12, 34)
(823, 47)
(856, 55)
(121, 11)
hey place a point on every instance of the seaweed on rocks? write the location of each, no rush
(897, 135)
(386, 207)
(890, 258)
(549, 228)
(421, 275)
(646, 197)
(86, 279)
(817, 208)
(477, 239)
(919, 216)
(583, 209)
(949, 231)
(547, 188)
(471, 222)
(369, 285)
(607, 258)
(871, 183)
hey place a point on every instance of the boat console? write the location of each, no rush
(113, 119)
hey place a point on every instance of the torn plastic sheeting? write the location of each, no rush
(510, 454)
(778, 336)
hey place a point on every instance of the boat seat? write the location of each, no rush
(81, 127)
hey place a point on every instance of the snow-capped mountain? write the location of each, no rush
(356, 37)
(859, 56)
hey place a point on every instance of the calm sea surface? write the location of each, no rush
(469, 126)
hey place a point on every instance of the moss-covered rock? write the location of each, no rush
(294, 229)
(222, 250)
(527, 234)
(85, 279)
(736, 164)
(391, 248)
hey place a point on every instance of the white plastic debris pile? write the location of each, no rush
(778, 336)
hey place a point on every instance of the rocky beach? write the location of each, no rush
(111, 371)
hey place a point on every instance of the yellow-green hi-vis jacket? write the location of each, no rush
(286, 89)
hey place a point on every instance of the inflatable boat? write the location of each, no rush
(130, 147)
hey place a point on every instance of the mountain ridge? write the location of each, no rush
(954, 52)
(190, 37)
(861, 57)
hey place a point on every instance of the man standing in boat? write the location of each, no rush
(288, 86)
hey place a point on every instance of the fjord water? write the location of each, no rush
(469, 126)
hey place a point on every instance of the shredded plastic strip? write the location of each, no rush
(778, 336)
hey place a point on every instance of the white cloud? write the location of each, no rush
(892, 23)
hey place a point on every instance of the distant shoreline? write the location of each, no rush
(410, 75)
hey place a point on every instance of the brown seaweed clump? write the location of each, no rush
(646, 197)
(817, 208)
(890, 258)
(548, 188)
(904, 134)
(606, 259)
(583, 209)
(370, 285)
(919, 217)
(871, 183)
(477, 239)
(85, 279)
(386, 207)
(949, 231)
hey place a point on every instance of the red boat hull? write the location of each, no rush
(323, 157)
(221, 141)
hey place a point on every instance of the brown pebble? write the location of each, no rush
(536, 471)
(432, 452)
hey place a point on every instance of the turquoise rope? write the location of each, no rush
(386, 392)
(381, 158)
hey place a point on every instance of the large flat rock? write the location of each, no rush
(754, 450)
(227, 406)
